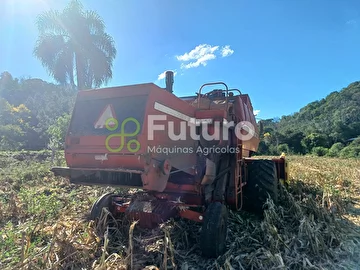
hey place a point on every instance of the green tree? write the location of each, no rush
(11, 137)
(263, 148)
(315, 140)
(284, 148)
(58, 130)
(350, 151)
(14, 126)
(8, 87)
(27, 108)
(73, 44)
(335, 149)
(293, 140)
(320, 151)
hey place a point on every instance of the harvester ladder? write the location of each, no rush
(239, 175)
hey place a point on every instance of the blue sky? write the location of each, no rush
(283, 53)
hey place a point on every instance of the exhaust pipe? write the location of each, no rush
(169, 80)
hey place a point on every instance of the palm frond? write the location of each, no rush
(74, 6)
(63, 67)
(100, 67)
(50, 22)
(48, 46)
(105, 43)
(54, 52)
(94, 22)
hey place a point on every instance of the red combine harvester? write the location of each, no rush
(189, 156)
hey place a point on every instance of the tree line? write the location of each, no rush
(31, 112)
(328, 127)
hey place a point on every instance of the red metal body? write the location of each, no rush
(113, 139)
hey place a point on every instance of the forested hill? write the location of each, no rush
(322, 127)
(33, 113)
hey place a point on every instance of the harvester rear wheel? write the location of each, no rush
(102, 202)
(214, 230)
(262, 183)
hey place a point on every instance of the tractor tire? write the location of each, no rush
(104, 201)
(262, 183)
(214, 230)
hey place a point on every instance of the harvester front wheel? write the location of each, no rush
(214, 230)
(102, 202)
(262, 183)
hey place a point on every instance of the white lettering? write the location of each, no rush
(152, 127)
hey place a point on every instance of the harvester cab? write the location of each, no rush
(188, 156)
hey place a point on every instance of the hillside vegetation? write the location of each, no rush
(33, 113)
(326, 127)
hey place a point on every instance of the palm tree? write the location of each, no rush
(73, 46)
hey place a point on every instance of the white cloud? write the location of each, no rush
(226, 51)
(256, 112)
(201, 61)
(201, 54)
(199, 51)
(352, 23)
(162, 75)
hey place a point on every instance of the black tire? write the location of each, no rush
(103, 201)
(262, 183)
(214, 230)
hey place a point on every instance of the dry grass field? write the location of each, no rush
(43, 224)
